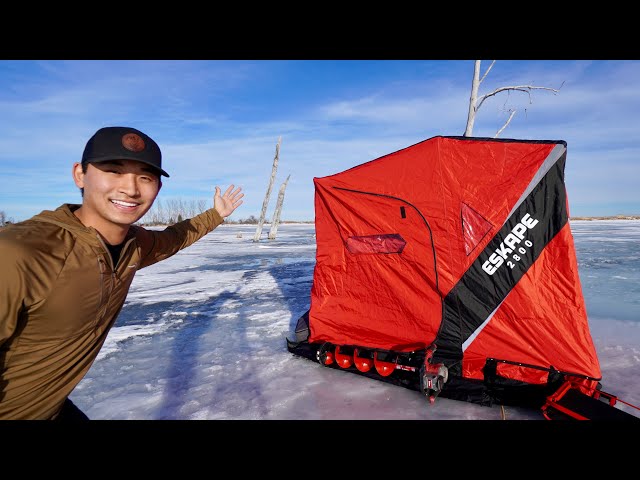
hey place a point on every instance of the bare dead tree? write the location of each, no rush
(476, 102)
(201, 205)
(155, 215)
(173, 209)
(159, 215)
(276, 213)
(265, 202)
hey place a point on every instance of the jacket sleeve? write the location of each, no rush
(12, 287)
(157, 245)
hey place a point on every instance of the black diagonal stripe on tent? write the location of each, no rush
(477, 295)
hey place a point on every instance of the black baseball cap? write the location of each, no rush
(123, 143)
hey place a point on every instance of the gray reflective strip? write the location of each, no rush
(477, 331)
(551, 159)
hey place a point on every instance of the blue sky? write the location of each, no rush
(218, 122)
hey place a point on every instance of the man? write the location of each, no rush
(66, 273)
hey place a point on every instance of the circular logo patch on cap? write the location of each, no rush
(133, 142)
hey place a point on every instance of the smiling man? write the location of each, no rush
(66, 273)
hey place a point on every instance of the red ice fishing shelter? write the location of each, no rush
(449, 266)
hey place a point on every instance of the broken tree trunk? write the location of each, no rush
(476, 102)
(265, 202)
(276, 214)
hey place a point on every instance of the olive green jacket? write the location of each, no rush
(60, 294)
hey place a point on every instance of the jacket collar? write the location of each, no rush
(64, 218)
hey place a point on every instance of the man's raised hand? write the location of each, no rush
(226, 203)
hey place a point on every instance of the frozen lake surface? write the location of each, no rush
(202, 336)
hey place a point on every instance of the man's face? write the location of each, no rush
(117, 192)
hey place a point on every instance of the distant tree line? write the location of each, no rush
(252, 220)
(4, 220)
(166, 212)
(171, 211)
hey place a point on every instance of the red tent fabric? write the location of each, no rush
(460, 243)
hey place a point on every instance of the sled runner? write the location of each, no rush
(569, 403)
